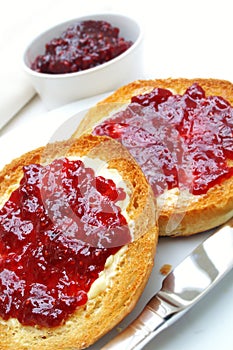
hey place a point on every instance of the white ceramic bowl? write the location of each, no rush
(59, 89)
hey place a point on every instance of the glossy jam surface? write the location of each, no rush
(56, 232)
(183, 141)
(84, 45)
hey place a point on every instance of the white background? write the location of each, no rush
(182, 39)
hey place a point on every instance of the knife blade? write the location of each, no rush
(183, 287)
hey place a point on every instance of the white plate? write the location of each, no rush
(43, 128)
(209, 324)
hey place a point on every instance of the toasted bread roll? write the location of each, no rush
(181, 213)
(119, 285)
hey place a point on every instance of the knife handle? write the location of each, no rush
(141, 329)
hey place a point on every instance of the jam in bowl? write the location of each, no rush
(81, 46)
(84, 57)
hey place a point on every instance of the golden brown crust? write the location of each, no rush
(209, 210)
(103, 312)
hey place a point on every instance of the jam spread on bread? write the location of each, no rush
(84, 45)
(57, 230)
(183, 141)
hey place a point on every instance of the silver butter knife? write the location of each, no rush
(195, 276)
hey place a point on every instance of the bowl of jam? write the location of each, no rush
(84, 57)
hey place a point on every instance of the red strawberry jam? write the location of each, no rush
(178, 140)
(84, 45)
(56, 231)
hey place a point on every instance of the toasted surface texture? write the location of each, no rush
(193, 214)
(111, 305)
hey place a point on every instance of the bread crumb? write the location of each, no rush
(119, 329)
(165, 269)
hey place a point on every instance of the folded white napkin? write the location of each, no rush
(15, 88)
(15, 92)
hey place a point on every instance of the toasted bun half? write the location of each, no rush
(192, 214)
(130, 270)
